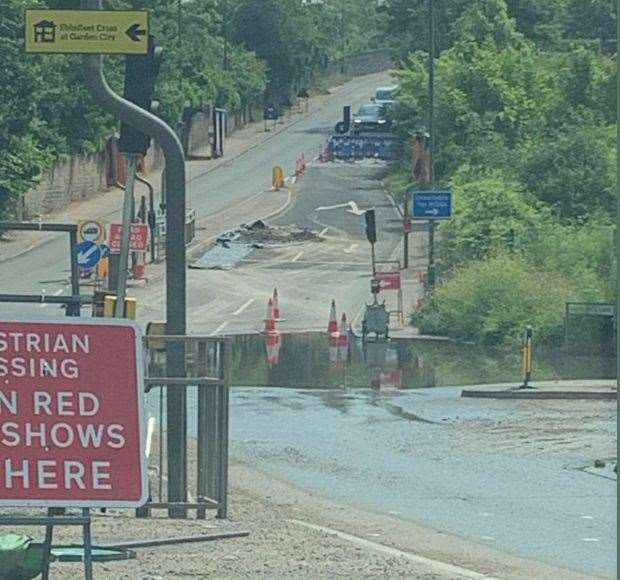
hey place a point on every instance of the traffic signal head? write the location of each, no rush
(141, 71)
(371, 230)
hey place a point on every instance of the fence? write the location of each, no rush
(205, 387)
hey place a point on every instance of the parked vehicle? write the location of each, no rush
(370, 118)
(385, 95)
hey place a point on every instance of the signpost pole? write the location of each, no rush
(128, 206)
(172, 149)
(406, 234)
(74, 308)
(431, 140)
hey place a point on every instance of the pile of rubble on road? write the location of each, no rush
(235, 245)
(258, 235)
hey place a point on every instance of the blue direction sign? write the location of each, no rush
(431, 205)
(88, 254)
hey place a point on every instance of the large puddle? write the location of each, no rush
(314, 360)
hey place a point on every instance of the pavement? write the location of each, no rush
(601, 390)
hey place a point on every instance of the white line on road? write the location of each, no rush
(434, 565)
(246, 305)
(589, 539)
(587, 517)
(59, 292)
(43, 292)
(297, 257)
(323, 231)
(350, 249)
(219, 329)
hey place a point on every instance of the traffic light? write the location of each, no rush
(371, 230)
(141, 72)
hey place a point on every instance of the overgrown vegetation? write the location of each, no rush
(229, 53)
(525, 138)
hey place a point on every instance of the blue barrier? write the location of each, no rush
(347, 148)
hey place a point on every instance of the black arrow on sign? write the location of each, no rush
(134, 32)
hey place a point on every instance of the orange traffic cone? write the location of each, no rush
(343, 339)
(332, 326)
(276, 305)
(270, 323)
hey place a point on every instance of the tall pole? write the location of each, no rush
(171, 147)
(225, 34)
(431, 139)
(618, 194)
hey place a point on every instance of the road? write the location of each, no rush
(45, 269)
(507, 475)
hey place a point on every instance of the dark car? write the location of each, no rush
(370, 117)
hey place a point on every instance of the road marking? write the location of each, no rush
(323, 231)
(244, 307)
(350, 249)
(589, 539)
(59, 292)
(487, 514)
(491, 538)
(43, 292)
(434, 565)
(587, 517)
(219, 329)
(297, 257)
(328, 207)
(354, 209)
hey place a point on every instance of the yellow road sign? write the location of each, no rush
(87, 31)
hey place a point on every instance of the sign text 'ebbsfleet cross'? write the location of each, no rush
(431, 205)
(71, 417)
(87, 31)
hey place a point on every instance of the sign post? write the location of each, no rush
(71, 413)
(87, 31)
(431, 205)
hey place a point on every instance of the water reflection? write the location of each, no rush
(342, 360)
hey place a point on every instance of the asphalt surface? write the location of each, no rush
(330, 200)
(46, 268)
(510, 476)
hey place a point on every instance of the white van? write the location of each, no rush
(385, 95)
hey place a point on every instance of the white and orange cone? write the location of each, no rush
(343, 339)
(276, 305)
(332, 325)
(270, 323)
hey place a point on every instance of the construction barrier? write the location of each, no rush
(351, 148)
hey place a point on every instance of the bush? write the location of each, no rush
(491, 302)
(490, 215)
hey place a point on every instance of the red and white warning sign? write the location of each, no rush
(71, 417)
(138, 237)
(389, 280)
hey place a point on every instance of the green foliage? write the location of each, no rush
(573, 170)
(491, 301)
(490, 216)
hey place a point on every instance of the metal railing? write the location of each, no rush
(206, 387)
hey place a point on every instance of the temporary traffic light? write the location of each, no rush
(371, 230)
(140, 77)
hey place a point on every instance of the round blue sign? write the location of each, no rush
(88, 254)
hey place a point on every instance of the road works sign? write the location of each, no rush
(138, 237)
(91, 231)
(71, 418)
(431, 205)
(87, 31)
(389, 280)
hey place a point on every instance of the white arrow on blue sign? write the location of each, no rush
(431, 205)
(88, 255)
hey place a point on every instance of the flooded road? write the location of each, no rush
(505, 474)
(383, 427)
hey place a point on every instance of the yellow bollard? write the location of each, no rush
(277, 177)
(109, 306)
(528, 351)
